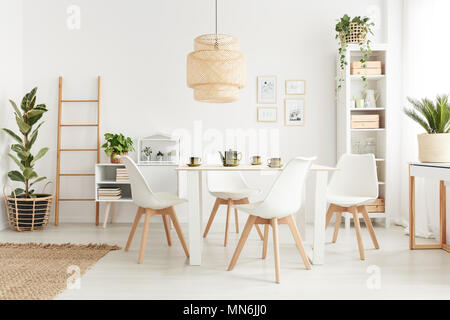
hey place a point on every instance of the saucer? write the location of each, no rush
(256, 164)
(275, 167)
(193, 164)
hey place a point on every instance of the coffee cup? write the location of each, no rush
(274, 162)
(256, 160)
(195, 160)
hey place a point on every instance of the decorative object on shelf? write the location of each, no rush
(371, 98)
(360, 103)
(159, 156)
(370, 146)
(434, 145)
(167, 144)
(147, 151)
(194, 161)
(294, 112)
(27, 210)
(365, 121)
(231, 158)
(267, 114)
(367, 68)
(216, 69)
(117, 144)
(274, 162)
(256, 160)
(295, 86)
(267, 89)
(356, 146)
(354, 30)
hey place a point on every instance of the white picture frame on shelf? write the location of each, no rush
(294, 112)
(267, 89)
(267, 114)
(295, 87)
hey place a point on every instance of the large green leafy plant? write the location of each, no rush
(433, 117)
(26, 117)
(117, 144)
(343, 30)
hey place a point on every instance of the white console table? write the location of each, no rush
(441, 173)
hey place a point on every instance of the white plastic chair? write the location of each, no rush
(150, 204)
(351, 188)
(283, 200)
(228, 188)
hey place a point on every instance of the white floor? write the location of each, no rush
(165, 273)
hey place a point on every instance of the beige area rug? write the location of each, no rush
(33, 271)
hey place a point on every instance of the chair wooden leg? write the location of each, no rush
(261, 236)
(176, 224)
(248, 227)
(229, 203)
(337, 226)
(369, 226)
(298, 241)
(236, 220)
(265, 240)
(167, 229)
(134, 227)
(211, 217)
(276, 248)
(358, 232)
(329, 215)
(144, 236)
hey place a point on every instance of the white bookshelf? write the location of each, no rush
(105, 176)
(353, 87)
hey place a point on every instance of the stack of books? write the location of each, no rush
(109, 193)
(122, 175)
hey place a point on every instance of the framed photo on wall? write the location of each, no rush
(267, 114)
(294, 112)
(267, 89)
(295, 87)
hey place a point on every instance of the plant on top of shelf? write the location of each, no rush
(354, 30)
(147, 152)
(434, 145)
(117, 144)
(159, 156)
(25, 119)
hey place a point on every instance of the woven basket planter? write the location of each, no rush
(29, 214)
(357, 34)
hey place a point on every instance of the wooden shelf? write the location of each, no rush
(368, 76)
(379, 129)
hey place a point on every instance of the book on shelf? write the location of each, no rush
(122, 175)
(109, 193)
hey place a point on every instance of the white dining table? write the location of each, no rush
(195, 206)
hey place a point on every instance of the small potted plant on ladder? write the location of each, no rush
(27, 210)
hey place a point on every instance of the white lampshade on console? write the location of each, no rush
(216, 69)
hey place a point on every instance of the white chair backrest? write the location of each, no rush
(357, 176)
(140, 189)
(225, 181)
(285, 197)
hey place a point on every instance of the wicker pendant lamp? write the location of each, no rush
(216, 69)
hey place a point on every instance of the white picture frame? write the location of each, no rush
(295, 87)
(266, 89)
(294, 111)
(267, 114)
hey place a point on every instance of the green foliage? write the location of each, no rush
(342, 30)
(117, 144)
(26, 117)
(160, 154)
(433, 117)
(147, 151)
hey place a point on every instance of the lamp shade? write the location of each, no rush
(216, 69)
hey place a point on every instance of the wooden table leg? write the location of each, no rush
(320, 209)
(194, 195)
(443, 212)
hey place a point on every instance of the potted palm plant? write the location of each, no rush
(434, 145)
(27, 210)
(117, 144)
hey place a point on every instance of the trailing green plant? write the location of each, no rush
(117, 144)
(26, 117)
(342, 31)
(433, 117)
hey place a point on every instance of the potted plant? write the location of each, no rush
(353, 30)
(117, 144)
(147, 153)
(159, 156)
(27, 210)
(434, 145)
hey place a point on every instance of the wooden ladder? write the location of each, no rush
(59, 150)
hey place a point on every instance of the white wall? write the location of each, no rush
(10, 80)
(139, 47)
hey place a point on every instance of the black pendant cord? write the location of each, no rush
(216, 44)
(216, 17)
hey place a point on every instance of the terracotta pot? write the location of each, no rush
(115, 157)
(434, 147)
